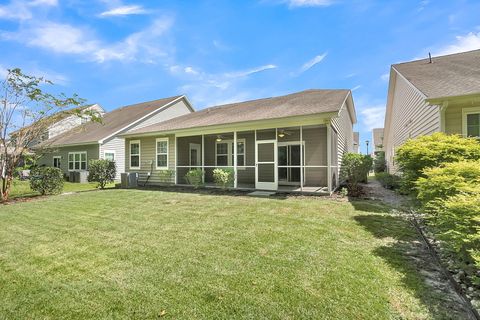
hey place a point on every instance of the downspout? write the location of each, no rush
(149, 174)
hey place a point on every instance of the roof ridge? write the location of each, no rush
(437, 57)
(145, 102)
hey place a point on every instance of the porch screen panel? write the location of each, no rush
(266, 152)
(266, 172)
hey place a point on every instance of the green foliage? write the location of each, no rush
(379, 164)
(451, 179)
(354, 170)
(456, 221)
(431, 151)
(166, 176)
(223, 178)
(194, 177)
(46, 180)
(388, 181)
(101, 171)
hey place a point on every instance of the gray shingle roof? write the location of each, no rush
(307, 102)
(113, 121)
(451, 75)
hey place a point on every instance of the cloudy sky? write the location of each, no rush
(119, 52)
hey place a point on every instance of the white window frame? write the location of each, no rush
(80, 163)
(465, 113)
(112, 152)
(60, 160)
(230, 152)
(139, 153)
(157, 153)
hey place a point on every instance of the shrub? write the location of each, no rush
(46, 180)
(388, 181)
(456, 221)
(354, 170)
(194, 177)
(379, 164)
(102, 172)
(420, 153)
(451, 179)
(223, 177)
(166, 176)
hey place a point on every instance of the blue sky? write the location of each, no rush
(122, 52)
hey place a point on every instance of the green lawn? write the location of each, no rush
(22, 188)
(137, 254)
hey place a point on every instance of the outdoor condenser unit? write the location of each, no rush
(129, 180)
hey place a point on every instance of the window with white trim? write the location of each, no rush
(135, 154)
(56, 161)
(77, 161)
(472, 121)
(224, 153)
(109, 155)
(162, 153)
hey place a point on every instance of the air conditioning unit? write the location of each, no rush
(82, 177)
(129, 180)
(71, 176)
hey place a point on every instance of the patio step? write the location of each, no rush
(261, 194)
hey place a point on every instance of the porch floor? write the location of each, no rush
(297, 189)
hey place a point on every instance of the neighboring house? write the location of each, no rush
(356, 142)
(377, 140)
(260, 140)
(72, 150)
(441, 94)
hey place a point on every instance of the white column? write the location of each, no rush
(301, 158)
(235, 184)
(329, 157)
(203, 159)
(176, 143)
(256, 158)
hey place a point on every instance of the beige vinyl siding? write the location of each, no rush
(118, 145)
(148, 156)
(343, 132)
(178, 109)
(47, 157)
(454, 115)
(409, 117)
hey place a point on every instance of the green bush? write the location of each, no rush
(101, 171)
(379, 164)
(166, 176)
(415, 155)
(223, 177)
(46, 180)
(388, 181)
(354, 170)
(456, 221)
(451, 179)
(194, 177)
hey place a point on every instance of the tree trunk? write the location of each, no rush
(6, 186)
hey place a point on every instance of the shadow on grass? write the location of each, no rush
(369, 205)
(409, 256)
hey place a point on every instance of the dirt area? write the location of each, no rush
(423, 258)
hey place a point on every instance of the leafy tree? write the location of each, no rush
(379, 164)
(354, 170)
(101, 171)
(47, 180)
(26, 113)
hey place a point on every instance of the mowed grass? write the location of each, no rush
(133, 254)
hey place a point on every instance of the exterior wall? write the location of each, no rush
(178, 109)
(453, 116)
(409, 117)
(47, 158)
(118, 145)
(377, 140)
(70, 122)
(343, 142)
(148, 156)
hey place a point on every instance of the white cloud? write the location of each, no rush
(468, 42)
(310, 3)
(23, 10)
(356, 87)
(373, 116)
(145, 45)
(309, 64)
(385, 76)
(124, 11)
(190, 70)
(240, 74)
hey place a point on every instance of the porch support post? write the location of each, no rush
(301, 158)
(175, 161)
(203, 159)
(235, 183)
(256, 158)
(329, 156)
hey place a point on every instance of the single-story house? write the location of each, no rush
(71, 150)
(440, 94)
(293, 142)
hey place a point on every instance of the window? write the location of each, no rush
(77, 161)
(135, 154)
(471, 122)
(225, 152)
(109, 155)
(162, 153)
(56, 161)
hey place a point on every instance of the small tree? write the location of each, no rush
(354, 170)
(379, 164)
(46, 180)
(102, 172)
(26, 113)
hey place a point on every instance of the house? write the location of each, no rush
(356, 142)
(293, 142)
(71, 150)
(377, 140)
(441, 94)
